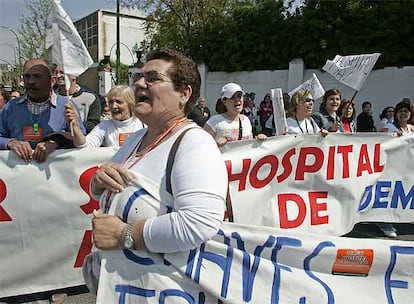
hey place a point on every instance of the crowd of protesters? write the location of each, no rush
(37, 121)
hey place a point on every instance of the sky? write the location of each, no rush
(12, 10)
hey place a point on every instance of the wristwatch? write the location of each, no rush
(128, 240)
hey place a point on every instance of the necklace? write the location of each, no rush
(306, 125)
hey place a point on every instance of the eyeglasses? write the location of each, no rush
(151, 76)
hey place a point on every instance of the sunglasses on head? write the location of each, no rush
(151, 76)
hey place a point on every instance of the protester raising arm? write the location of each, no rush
(114, 131)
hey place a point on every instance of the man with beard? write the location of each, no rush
(33, 125)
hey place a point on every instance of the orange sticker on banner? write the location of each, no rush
(353, 262)
(122, 137)
(29, 134)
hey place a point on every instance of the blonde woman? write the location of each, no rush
(112, 132)
(300, 114)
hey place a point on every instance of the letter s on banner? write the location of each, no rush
(4, 216)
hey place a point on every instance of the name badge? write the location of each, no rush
(32, 134)
(122, 137)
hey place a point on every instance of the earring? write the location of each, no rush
(182, 103)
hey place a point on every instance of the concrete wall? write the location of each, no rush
(132, 32)
(383, 87)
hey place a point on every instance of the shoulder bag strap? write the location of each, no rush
(171, 157)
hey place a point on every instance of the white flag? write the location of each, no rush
(279, 115)
(312, 85)
(351, 70)
(68, 48)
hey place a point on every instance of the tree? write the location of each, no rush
(34, 27)
(179, 23)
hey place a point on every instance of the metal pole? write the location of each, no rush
(18, 46)
(118, 49)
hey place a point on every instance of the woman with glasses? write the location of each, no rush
(387, 116)
(111, 132)
(231, 125)
(164, 191)
(300, 110)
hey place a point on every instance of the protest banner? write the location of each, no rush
(308, 189)
(351, 70)
(313, 85)
(279, 114)
(251, 264)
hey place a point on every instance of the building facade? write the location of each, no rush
(98, 32)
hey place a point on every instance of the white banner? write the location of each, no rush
(279, 114)
(313, 85)
(251, 264)
(351, 70)
(323, 185)
(309, 186)
(68, 48)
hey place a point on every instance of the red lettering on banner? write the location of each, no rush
(330, 168)
(86, 245)
(287, 165)
(84, 181)
(364, 161)
(317, 207)
(254, 179)
(4, 216)
(345, 150)
(377, 153)
(242, 176)
(284, 221)
(302, 167)
(85, 249)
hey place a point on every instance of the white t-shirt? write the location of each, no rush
(306, 126)
(229, 129)
(112, 133)
(199, 184)
(390, 128)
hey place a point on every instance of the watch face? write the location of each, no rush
(128, 243)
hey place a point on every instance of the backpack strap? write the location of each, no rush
(171, 157)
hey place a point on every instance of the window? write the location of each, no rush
(87, 29)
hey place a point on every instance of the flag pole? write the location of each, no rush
(353, 97)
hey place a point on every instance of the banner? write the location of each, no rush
(251, 264)
(313, 85)
(325, 185)
(351, 70)
(68, 49)
(307, 188)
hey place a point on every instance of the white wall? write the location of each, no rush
(132, 32)
(383, 87)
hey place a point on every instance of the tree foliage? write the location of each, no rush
(242, 35)
(34, 27)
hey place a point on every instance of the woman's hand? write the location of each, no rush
(324, 132)
(110, 176)
(108, 231)
(261, 136)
